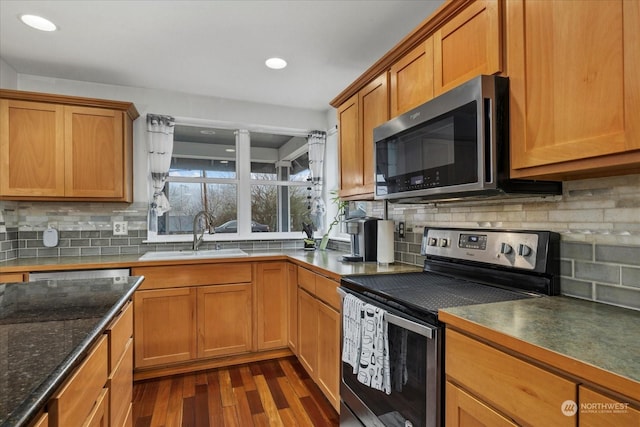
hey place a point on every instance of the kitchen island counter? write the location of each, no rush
(46, 329)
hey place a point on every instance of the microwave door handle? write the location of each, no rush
(401, 322)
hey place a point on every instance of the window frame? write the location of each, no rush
(243, 181)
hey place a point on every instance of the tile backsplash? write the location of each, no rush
(598, 220)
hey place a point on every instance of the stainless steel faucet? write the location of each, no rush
(208, 224)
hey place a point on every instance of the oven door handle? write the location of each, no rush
(401, 322)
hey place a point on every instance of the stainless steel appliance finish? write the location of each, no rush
(364, 239)
(81, 274)
(454, 146)
(462, 267)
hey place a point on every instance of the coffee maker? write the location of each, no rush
(364, 239)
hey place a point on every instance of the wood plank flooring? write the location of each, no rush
(270, 393)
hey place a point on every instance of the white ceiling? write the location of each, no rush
(214, 48)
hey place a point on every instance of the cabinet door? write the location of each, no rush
(165, 326)
(411, 79)
(595, 416)
(272, 302)
(94, 154)
(31, 149)
(293, 306)
(224, 319)
(464, 410)
(350, 148)
(468, 45)
(328, 367)
(357, 118)
(374, 110)
(307, 331)
(575, 91)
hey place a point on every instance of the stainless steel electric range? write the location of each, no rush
(462, 267)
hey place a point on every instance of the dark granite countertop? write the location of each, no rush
(584, 338)
(46, 329)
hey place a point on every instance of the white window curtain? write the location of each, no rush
(160, 130)
(317, 140)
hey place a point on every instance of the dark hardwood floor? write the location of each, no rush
(270, 393)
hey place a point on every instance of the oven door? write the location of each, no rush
(415, 360)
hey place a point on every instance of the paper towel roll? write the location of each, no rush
(385, 241)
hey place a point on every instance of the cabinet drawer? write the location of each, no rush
(592, 415)
(99, 415)
(11, 277)
(121, 386)
(192, 275)
(507, 383)
(326, 291)
(307, 280)
(42, 421)
(119, 333)
(73, 403)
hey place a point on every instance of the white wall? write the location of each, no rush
(178, 105)
(8, 76)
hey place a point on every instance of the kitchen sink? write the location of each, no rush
(189, 254)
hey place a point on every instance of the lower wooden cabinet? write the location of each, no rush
(517, 389)
(319, 332)
(99, 416)
(224, 319)
(292, 296)
(464, 410)
(41, 421)
(209, 311)
(489, 387)
(599, 410)
(12, 277)
(307, 331)
(165, 327)
(328, 368)
(121, 385)
(73, 404)
(272, 304)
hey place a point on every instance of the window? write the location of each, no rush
(252, 182)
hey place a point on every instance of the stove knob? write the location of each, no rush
(432, 241)
(524, 250)
(443, 243)
(506, 248)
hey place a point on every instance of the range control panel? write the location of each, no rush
(517, 249)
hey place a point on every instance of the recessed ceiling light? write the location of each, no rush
(275, 63)
(230, 150)
(224, 161)
(38, 22)
(208, 132)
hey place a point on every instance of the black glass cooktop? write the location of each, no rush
(426, 292)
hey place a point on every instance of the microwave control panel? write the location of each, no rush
(509, 249)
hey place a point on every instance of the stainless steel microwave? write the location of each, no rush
(452, 147)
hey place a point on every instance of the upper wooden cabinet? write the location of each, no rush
(468, 45)
(56, 147)
(357, 118)
(411, 79)
(575, 91)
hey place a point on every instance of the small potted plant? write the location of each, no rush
(341, 205)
